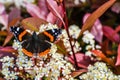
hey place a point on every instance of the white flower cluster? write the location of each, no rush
(7, 63)
(22, 60)
(88, 38)
(74, 33)
(99, 71)
(48, 26)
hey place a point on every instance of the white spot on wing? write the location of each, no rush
(18, 29)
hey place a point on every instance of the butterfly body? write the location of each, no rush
(33, 43)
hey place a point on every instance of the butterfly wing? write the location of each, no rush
(45, 38)
(36, 45)
(51, 35)
(20, 33)
(24, 37)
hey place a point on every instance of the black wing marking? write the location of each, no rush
(36, 44)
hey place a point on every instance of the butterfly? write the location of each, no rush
(33, 43)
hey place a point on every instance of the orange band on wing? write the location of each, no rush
(49, 35)
(27, 52)
(21, 35)
(44, 53)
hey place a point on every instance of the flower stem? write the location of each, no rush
(66, 27)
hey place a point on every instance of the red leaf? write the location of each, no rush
(2, 9)
(95, 15)
(3, 16)
(82, 60)
(13, 18)
(61, 47)
(43, 8)
(117, 29)
(8, 38)
(4, 20)
(32, 23)
(106, 48)
(34, 10)
(13, 22)
(15, 13)
(6, 51)
(99, 54)
(96, 29)
(111, 34)
(78, 72)
(56, 10)
(51, 18)
(9, 34)
(3, 33)
(118, 56)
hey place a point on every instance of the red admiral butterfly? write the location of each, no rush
(35, 44)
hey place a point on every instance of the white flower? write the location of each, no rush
(57, 56)
(21, 62)
(88, 37)
(45, 71)
(88, 47)
(88, 53)
(99, 71)
(8, 74)
(7, 64)
(48, 26)
(98, 47)
(5, 71)
(74, 31)
(64, 34)
(70, 66)
(53, 49)
(17, 45)
(13, 75)
(29, 64)
(66, 72)
(76, 46)
(55, 74)
(7, 59)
